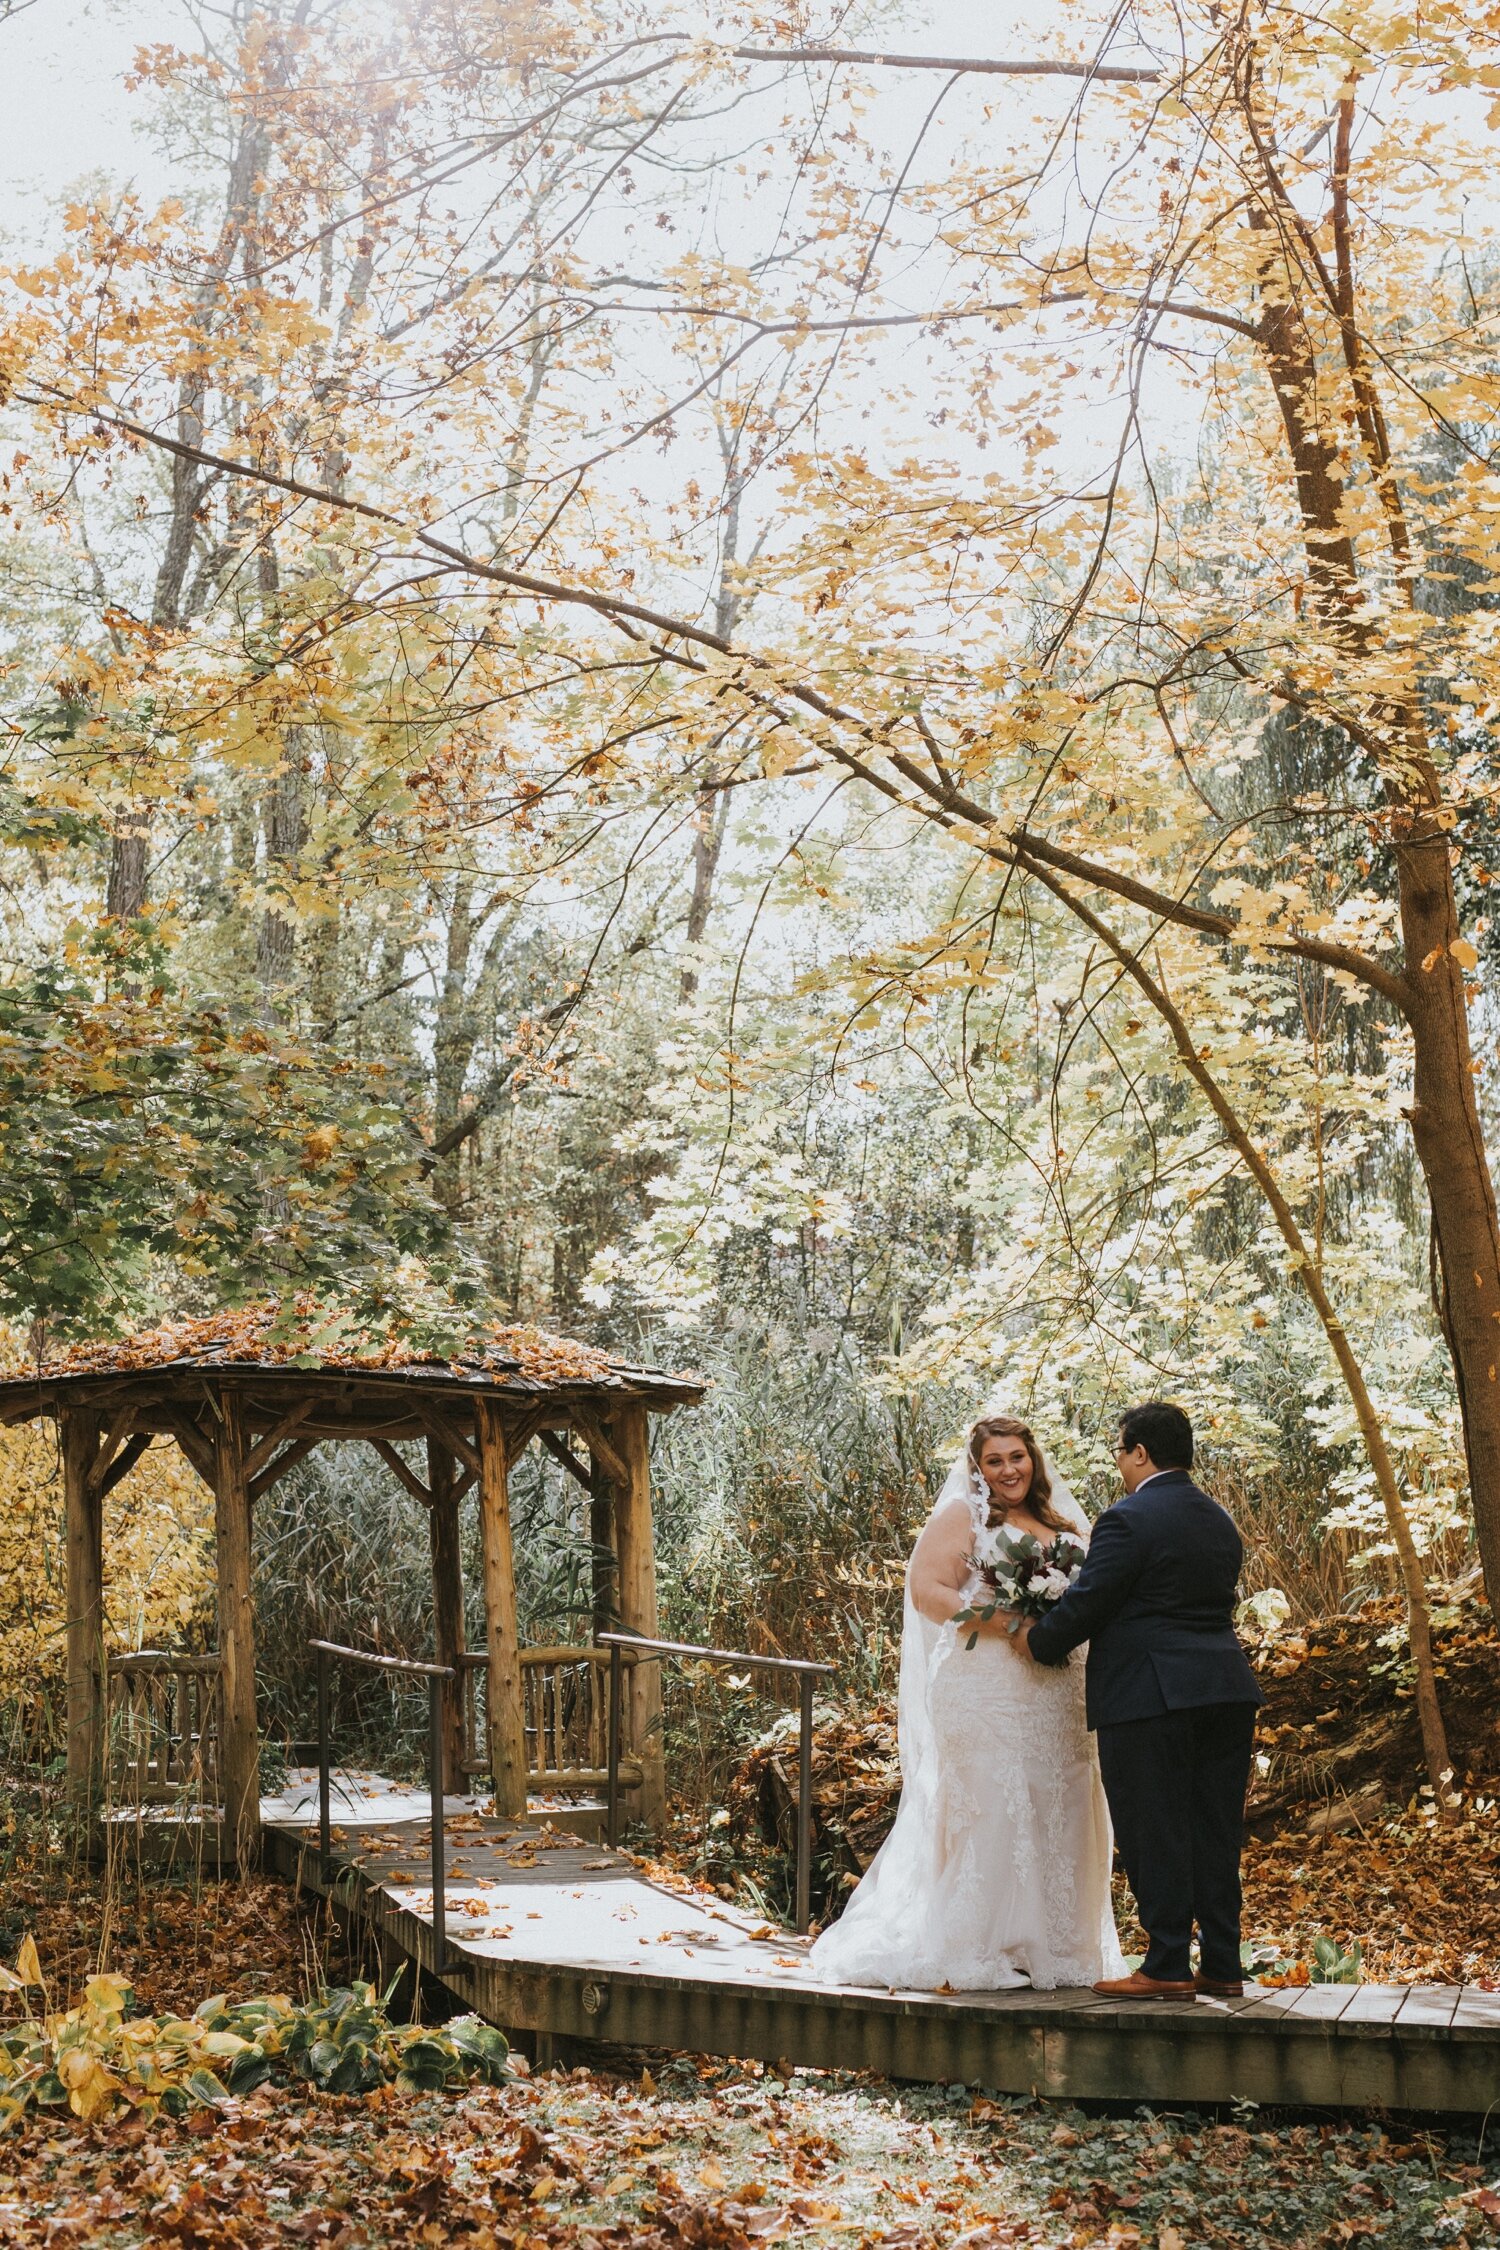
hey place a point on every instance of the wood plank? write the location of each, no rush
(603, 1563)
(1373, 2003)
(1320, 2004)
(520, 1429)
(697, 1987)
(442, 1428)
(1324, 2003)
(1430, 2005)
(700, 1982)
(195, 1443)
(507, 1727)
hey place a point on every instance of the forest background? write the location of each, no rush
(820, 719)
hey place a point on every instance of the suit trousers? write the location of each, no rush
(1176, 1787)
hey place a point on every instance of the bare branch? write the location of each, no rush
(976, 65)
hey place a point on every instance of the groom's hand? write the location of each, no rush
(1023, 1640)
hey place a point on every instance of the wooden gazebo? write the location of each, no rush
(245, 1397)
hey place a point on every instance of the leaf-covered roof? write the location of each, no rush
(306, 1332)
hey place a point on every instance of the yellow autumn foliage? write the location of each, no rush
(158, 1557)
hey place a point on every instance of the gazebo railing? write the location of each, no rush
(565, 1706)
(162, 1728)
(633, 1647)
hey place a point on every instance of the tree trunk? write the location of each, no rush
(711, 820)
(285, 833)
(1444, 1116)
(710, 824)
(1449, 1139)
(453, 1039)
(125, 896)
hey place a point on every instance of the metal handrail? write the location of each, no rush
(648, 1651)
(434, 1674)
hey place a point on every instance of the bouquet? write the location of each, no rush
(1022, 1572)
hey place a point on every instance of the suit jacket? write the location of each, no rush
(1155, 1602)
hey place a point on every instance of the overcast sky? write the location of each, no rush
(67, 112)
(63, 63)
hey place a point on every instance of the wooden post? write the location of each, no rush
(604, 1566)
(239, 1733)
(83, 1517)
(635, 1550)
(447, 1606)
(507, 1718)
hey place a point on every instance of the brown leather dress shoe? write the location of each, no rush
(1139, 1987)
(1218, 1988)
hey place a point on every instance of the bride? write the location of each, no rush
(997, 1871)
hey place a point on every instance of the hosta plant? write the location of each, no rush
(98, 2058)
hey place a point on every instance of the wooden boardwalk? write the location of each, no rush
(555, 1935)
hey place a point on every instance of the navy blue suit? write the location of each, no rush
(1172, 1699)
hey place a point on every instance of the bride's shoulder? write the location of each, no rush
(950, 1519)
(952, 1511)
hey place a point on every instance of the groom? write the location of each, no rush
(1172, 1699)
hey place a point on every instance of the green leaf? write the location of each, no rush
(247, 2071)
(485, 2049)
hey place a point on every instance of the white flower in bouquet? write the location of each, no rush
(1023, 1573)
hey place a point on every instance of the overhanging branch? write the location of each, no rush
(940, 800)
(1124, 74)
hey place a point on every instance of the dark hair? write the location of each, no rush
(1039, 1492)
(1163, 1430)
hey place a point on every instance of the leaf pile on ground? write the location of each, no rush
(170, 1941)
(714, 2156)
(1422, 1901)
(1339, 1731)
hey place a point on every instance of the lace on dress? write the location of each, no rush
(997, 1871)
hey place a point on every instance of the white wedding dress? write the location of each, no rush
(997, 1871)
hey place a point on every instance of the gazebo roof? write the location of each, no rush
(303, 1349)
